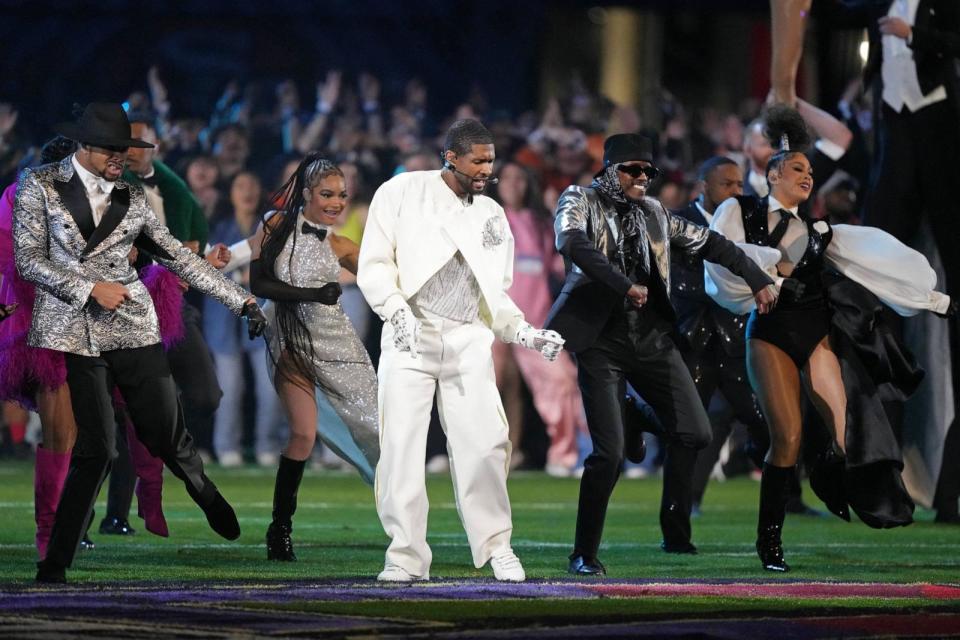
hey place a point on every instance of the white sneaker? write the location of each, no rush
(636, 473)
(230, 459)
(506, 566)
(439, 463)
(268, 459)
(558, 471)
(395, 573)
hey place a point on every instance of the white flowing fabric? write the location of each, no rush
(728, 290)
(901, 277)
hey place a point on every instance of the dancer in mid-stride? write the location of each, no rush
(321, 369)
(36, 378)
(616, 313)
(819, 337)
(74, 225)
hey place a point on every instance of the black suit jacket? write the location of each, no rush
(935, 44)
(700, 320)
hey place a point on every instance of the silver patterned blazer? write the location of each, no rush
(588, 233)
(58, 248)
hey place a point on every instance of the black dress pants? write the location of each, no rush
(714, 370)
(193, 371)
(196, 377)
(652, 365)
(143, 378)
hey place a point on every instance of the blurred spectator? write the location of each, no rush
(538, 269)
(12, 148)
(226, 335)
(231, 150)
(202, 176)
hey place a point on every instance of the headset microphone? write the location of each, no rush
(448, 165)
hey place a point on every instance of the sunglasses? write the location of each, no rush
(634, 170)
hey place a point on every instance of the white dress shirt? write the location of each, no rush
(706, 214)
(900, 276)
(794, 242)
(98, 190)
(901, 87)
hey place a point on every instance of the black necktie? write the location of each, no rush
(778, 231)
(309, 228)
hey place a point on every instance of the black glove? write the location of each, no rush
(791, 289)
(951, 311)
(269, 287)
(256, 321)
(328, 293)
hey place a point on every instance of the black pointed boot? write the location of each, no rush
(279, 542)
(774, 489)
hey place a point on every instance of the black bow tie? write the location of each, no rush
(306, 227)
(150, 181)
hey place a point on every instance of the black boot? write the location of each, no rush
(774, 486)
(279, 543)
(677, 499)
(827, 478)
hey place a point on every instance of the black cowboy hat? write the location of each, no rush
(103, 124)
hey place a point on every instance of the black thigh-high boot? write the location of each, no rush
(774, 490)
(279, 543)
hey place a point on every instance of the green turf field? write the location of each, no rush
(848, 580)
(337, 535)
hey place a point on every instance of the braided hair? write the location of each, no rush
(291, 323)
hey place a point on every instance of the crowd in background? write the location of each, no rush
(234, 159)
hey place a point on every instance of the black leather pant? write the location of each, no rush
(653, 366)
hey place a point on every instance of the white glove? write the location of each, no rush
(548, 343)
(406, 331)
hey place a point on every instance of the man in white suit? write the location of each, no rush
(435, 264)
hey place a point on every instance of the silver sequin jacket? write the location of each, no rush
(587, 232)
(51, 252)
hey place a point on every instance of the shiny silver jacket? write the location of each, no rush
(583, 209)
(51, 252)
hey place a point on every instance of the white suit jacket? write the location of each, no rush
(415, 225)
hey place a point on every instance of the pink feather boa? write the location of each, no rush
(25, 369)
(164, 288)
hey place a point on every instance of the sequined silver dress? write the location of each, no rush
(347, 418)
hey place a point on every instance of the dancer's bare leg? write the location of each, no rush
(788, 23)
(824, 385)
(301, 408)
(776, 381)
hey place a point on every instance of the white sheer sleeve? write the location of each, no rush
(728, 290)
(900, 276)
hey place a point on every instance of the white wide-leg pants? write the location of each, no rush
(456, 364)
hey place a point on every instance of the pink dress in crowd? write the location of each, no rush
(553, 385)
